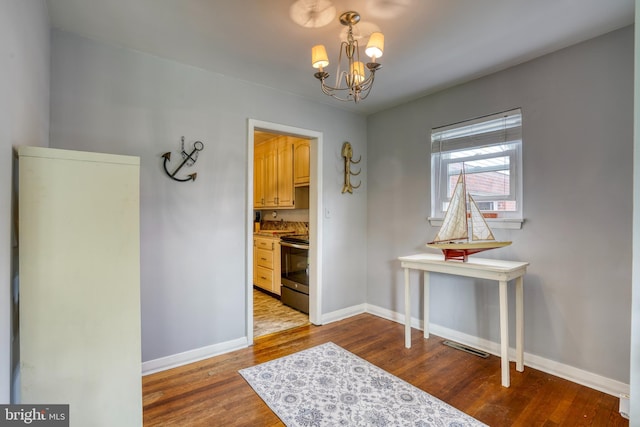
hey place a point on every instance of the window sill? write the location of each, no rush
(506, 223)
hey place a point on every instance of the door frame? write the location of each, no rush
(315, 218)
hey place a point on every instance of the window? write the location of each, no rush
(489, 152)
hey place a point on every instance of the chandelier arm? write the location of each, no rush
(328, 90)
(365, 88)
(360, 91)
(343, 48)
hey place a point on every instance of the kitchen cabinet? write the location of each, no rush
(301, 162)
(266, 263)
(258, 175)
(79, 284)
(285, 194)
(273, 174)
(270, 175)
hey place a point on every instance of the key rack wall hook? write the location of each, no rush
(347, 154)
(189, 159)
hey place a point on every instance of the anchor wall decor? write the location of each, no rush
(347, 154)
(188, 159)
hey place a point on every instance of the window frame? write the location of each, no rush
(439, 166)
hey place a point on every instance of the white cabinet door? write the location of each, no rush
(79, 264)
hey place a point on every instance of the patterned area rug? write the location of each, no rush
(329, 386)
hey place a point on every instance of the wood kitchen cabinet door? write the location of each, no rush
(285, 172)
(258, 175)
(273, 174)
(301, 174)
(270, 176)
(266, 263)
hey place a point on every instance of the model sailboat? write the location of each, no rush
(464, 230)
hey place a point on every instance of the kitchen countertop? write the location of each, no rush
(273, 233)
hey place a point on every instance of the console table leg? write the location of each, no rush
(519, 325)
(426, 305)
(504, 334)
(407, 310)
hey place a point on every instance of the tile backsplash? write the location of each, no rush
(300, 227)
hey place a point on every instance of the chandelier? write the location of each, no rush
(351, 82)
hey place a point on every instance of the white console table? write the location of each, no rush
(501, 271)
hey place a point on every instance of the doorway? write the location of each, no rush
(315, 219)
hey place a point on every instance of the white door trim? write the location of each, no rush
(315, 218)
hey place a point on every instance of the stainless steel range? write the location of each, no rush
(294, 265)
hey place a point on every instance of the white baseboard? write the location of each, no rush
(180, 359)
(191, 356)
(334, 316)
(576, 375)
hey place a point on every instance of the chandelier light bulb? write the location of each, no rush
(319, 58)
(357, 72)
(375, 47)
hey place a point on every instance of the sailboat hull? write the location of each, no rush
(461, 251)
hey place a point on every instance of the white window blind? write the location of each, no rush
(488, 149)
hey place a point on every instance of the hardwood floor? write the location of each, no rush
(212, 393)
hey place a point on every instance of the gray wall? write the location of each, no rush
(24, 120)
(114, 100)
(577, 292)
(577, 161)
(635, 315)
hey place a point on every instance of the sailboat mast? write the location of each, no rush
(466, 199)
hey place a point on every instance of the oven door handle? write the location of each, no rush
(294, 245)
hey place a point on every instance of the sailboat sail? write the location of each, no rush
(479, 228)
(454, 224)
(453, 237)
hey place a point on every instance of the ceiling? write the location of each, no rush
(429, 44)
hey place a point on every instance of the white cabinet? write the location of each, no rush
(79, 266)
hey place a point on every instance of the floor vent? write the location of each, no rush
(466, 348)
